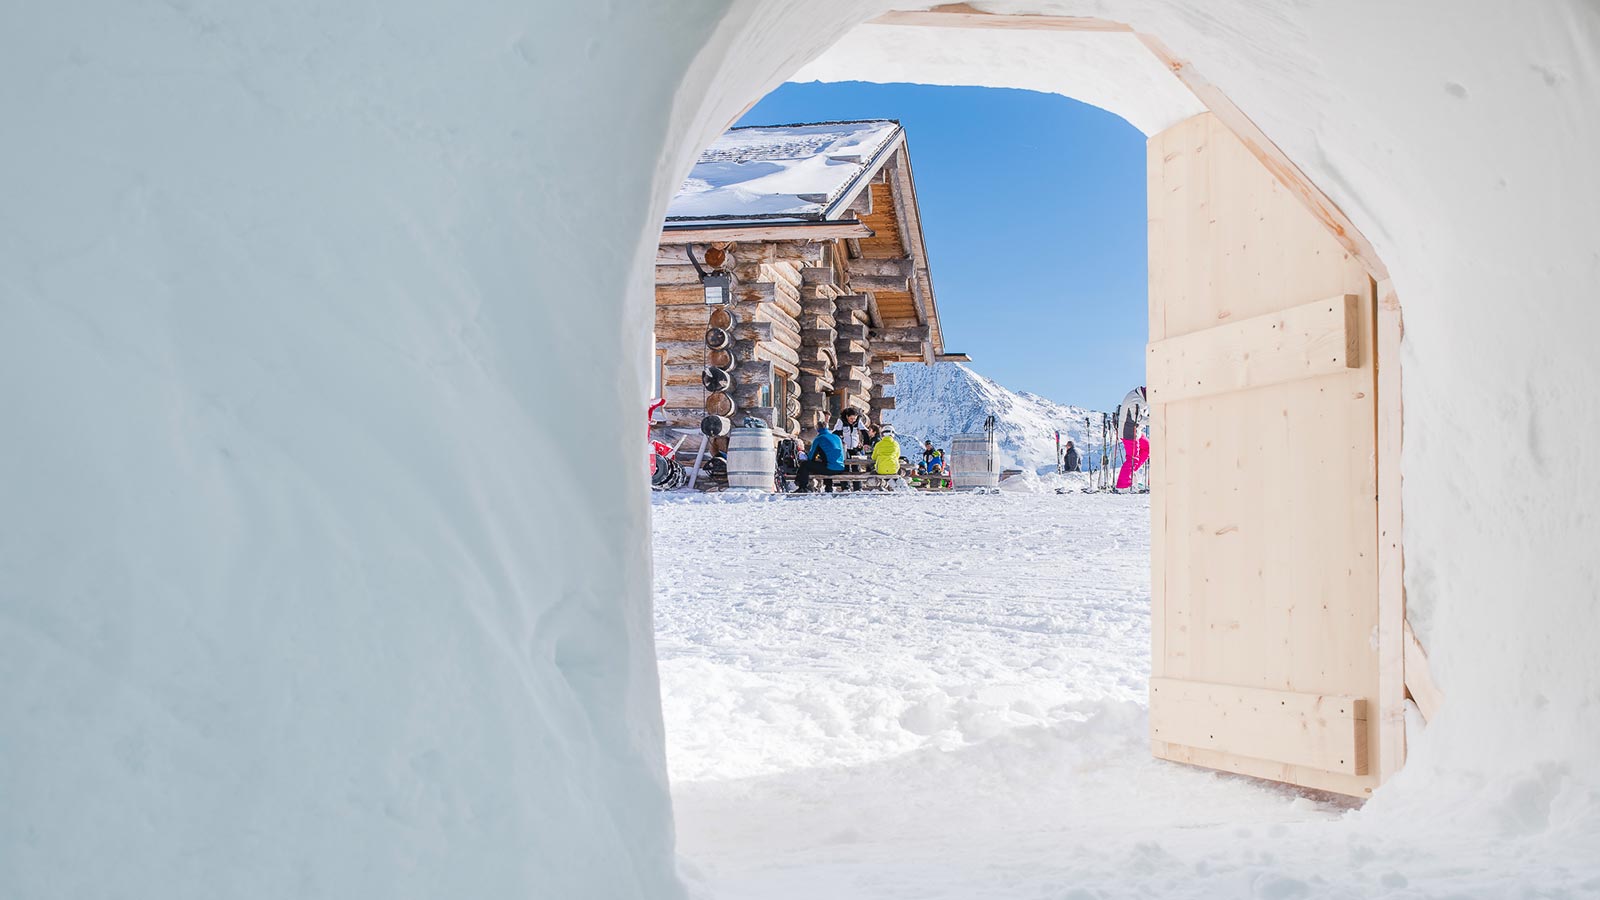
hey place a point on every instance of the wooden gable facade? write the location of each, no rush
(822, 302)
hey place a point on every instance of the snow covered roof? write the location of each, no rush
(783, 173)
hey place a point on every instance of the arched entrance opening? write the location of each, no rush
(1265, 300)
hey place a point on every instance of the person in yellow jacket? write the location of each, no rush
(886, 453)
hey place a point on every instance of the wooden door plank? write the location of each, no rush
(1317, 338)
(1264, 552)
(1392, 632)
(1312, 730)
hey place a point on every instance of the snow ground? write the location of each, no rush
(944, 696)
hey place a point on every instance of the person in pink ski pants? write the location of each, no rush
(1131, 418)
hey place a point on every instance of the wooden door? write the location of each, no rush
(1267, 659)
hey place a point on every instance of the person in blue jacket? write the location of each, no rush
(826, 456)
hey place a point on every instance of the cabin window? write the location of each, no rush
(780, 400)
(764, 395)
(658, 377)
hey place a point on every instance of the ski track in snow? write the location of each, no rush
(943, 696)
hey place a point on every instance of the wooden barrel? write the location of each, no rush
(752, 459)
(972, 461)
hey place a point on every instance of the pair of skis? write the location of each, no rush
(1102, 479)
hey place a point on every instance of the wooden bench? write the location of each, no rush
(857, 470)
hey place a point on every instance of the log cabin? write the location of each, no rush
(816, 228)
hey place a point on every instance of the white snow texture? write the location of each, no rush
(311, 586)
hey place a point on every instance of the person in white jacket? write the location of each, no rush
(1131, 418)
(852, 431)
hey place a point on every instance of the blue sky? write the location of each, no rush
(1033, 209)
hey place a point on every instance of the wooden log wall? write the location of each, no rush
(852, 372)
(768, 305)
(818, 310)
(882, 379)
(769, 294)
(681, 321)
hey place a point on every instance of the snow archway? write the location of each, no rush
(300, 304)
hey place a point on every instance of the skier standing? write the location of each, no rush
(1131, 418)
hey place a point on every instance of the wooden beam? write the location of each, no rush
(863, 282)
(964, 15)
(1319, 338)
(952, 357)
(851, 302)
(901, 334)
(803, 252)
(1419, 679)
(850, 331)
(775, 232)
(818, 336)
(1273, 158)
(1312, 730)
(1391, 552)
(861, 205)
(898, 266)
(898, 351)
(818, 275)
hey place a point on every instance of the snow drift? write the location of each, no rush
(298, 593)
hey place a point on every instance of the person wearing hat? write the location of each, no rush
(886, 452)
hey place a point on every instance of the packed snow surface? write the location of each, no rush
(779, 172)
(938, 402)
(920, 696)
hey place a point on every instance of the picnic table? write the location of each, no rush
(860, 473)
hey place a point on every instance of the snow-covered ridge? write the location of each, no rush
(945, 399)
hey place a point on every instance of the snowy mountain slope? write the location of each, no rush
(939, 401)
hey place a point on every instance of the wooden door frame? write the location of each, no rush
(1400, 672)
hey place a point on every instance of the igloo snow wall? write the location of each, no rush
(314, 314)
